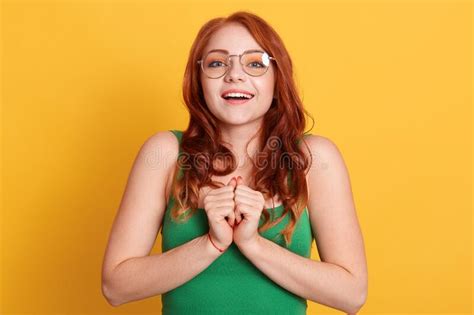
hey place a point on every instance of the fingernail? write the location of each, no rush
(240, 177)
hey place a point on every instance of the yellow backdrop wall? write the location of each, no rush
(84, 83)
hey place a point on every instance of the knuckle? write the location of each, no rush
(209, 205)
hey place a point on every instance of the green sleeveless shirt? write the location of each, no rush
(232, 284)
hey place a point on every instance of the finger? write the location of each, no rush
(224, 195)
(215, 196)
(240, 180)
(232, 182)
(246, 194)
(248, 201)
(243, 210)
(245, 187)
(231, 217)
(225, 212)
(222, 189)
(238, 215)
(224, 208)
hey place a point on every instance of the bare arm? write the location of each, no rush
(128, 271)
(340, 279)
(142, 277)
(321, 282)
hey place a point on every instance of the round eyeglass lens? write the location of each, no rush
(254, 63)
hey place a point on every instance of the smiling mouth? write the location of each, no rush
(237, 100)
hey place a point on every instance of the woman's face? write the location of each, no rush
(236, 39)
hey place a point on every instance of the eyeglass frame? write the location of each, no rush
(201, 61)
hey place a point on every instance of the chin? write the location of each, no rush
(239, 121)
(235, 122)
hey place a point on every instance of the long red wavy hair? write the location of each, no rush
(282, 129)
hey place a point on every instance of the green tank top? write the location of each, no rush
(232, 284)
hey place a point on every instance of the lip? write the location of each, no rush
(236, 91)
(236, 102)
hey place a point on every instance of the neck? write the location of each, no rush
(238, 136)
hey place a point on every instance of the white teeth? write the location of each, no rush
(237, 95)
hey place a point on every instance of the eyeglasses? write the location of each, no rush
(217, 63)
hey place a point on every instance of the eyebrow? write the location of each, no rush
(227, 52)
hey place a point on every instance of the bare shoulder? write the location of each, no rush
(322, 152)
(161, 151)
(164, 143)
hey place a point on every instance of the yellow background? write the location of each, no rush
(84, 83)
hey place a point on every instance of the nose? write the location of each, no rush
(235, 71)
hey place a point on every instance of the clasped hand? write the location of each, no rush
(234, 213)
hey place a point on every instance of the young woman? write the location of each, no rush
(239, 195)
